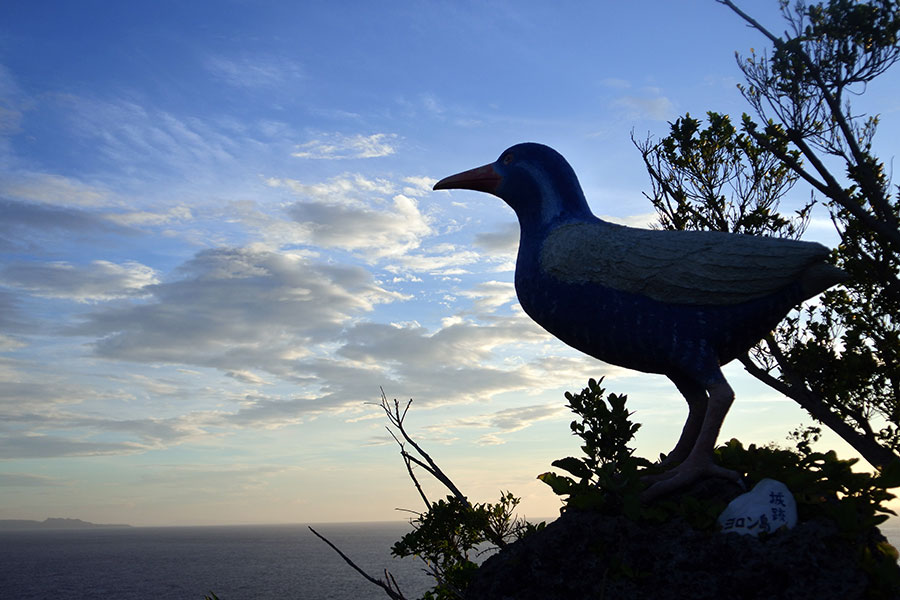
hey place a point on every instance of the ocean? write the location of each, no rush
(273, 562)
(183, 563)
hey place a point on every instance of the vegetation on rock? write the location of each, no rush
(839, 510)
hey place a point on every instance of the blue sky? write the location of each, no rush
(218, 240)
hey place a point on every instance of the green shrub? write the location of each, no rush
(607, 476)
(451, 534)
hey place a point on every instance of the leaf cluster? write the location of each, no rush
(719, 179)
(826, 487)
(844, 366)
(840, 358)
(829, 50)
(823, 484)
(606, 477)
(452, 534)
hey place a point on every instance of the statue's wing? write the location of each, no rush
(676, 267)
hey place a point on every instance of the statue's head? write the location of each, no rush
(533, 179)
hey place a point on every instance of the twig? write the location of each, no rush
(875, 454)
(884, 222)
(396, 418)
(394, 593)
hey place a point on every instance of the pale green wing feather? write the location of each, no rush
(677, 267)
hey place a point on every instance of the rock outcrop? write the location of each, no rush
(592, 555)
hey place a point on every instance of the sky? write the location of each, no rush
(218, 243)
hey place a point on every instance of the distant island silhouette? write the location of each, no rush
(53, 523)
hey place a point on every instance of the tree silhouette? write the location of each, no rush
(838, 359)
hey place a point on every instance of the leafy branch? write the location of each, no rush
(450, 533)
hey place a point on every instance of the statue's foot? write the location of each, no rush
(671, 459)
(683, 475)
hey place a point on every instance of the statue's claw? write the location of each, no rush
(683, 475)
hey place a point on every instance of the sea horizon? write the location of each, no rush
(234, 561)
(180, 562)
(893, 522)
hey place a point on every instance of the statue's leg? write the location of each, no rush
(696, 396)
(699, 462)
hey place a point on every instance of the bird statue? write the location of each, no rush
(678, 303)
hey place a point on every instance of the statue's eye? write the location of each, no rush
(508, 158)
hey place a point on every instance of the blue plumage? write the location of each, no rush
(677, 303)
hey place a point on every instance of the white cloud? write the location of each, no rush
(53, 189)
(246, 377)
(272, 412)
(502, 241)
(254, 72)
(250, 313)
(126, 132)
(615, 83)
(432, 104)
(502, 422)
(435, 261)
(349, 212)
(13, 318)
(8, 480)
(235, 309)
(8, 343)
(176, 214)
(45, 411)
(651, 106)
(490, 439)
(641, 221)
(339, 146)
(491, 295)
(47, 446)
(11, 101)
(23, 221)
(43, 439)
(418, 186)
(381, 232)
(510, 420)
(20, 395)
(408, 278)
(99, 280)
(348, 188)
(463, 361)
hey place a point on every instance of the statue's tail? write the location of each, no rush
(821, 276)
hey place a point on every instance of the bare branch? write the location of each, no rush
(886, 223)
(390, 587)
(407, 459)
(751, 21)
(875, 454)
(396, 418)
